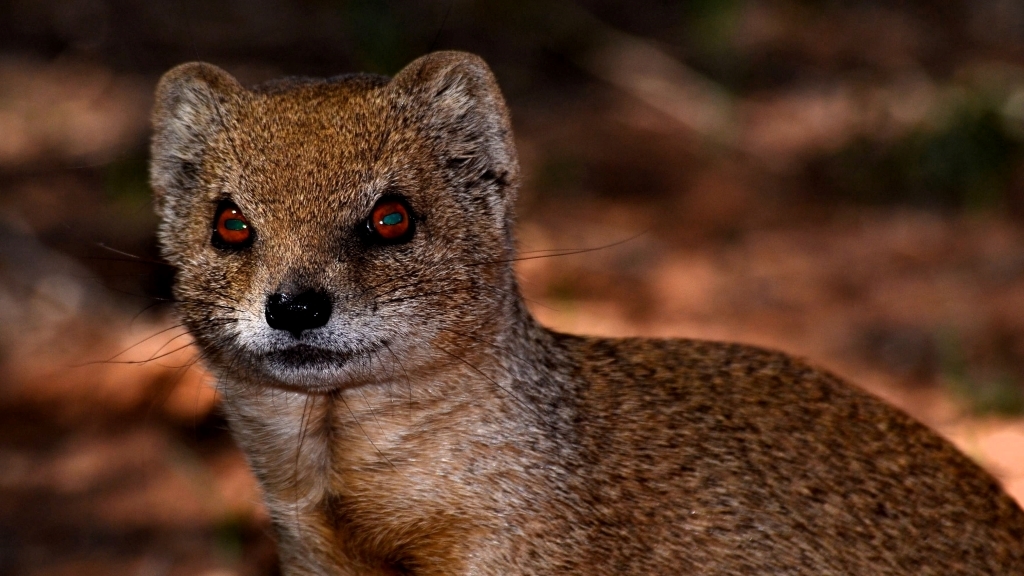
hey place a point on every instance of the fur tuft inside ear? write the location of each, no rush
(463, 112)
(191, 107)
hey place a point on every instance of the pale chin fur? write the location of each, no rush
(345, 353)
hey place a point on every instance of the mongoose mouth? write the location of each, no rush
(306, 357)
(307, 367)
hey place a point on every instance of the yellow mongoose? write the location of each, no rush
(344, 255)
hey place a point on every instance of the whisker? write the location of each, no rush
(145, 309)
(156, 355)
(367, 436)
(133, 257)
(492, 380)
(523, 256)
(449, 291)
(484, 342)
(310, 403)
(419, 283)
(139, 343)
(200, 303)
(391, 375)
(408, 380)
(370, 408)
(169, 389)
(556, 253)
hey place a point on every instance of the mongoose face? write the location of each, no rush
(333, 233)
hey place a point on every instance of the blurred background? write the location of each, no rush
(840, 180)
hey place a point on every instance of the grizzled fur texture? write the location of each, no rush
(432, 427)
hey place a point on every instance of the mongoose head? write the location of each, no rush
(331, 233)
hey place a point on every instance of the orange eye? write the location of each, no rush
(390, 220)
(231, 228)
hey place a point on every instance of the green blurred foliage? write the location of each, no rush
(995, 391)
(230, 536)
(967, 161)
(712, 22)
(126, 179)
(385, 36)
(563, 173)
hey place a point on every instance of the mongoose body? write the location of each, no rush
(344, 258)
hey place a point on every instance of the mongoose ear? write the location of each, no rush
(461, 108)
(191, 106)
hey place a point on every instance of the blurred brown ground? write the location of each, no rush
(843, 181)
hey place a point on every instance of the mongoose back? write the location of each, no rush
(344, 254)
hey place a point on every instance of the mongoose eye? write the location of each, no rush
(231, 229)
(390, 221)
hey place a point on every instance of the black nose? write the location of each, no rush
(305, 311)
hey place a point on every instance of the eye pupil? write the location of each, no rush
(231, 230)
(389, 221)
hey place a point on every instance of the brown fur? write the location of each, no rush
(437, 429)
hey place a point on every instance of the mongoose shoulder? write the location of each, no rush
(344, 253)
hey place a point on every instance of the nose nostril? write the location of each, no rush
(296, 313)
